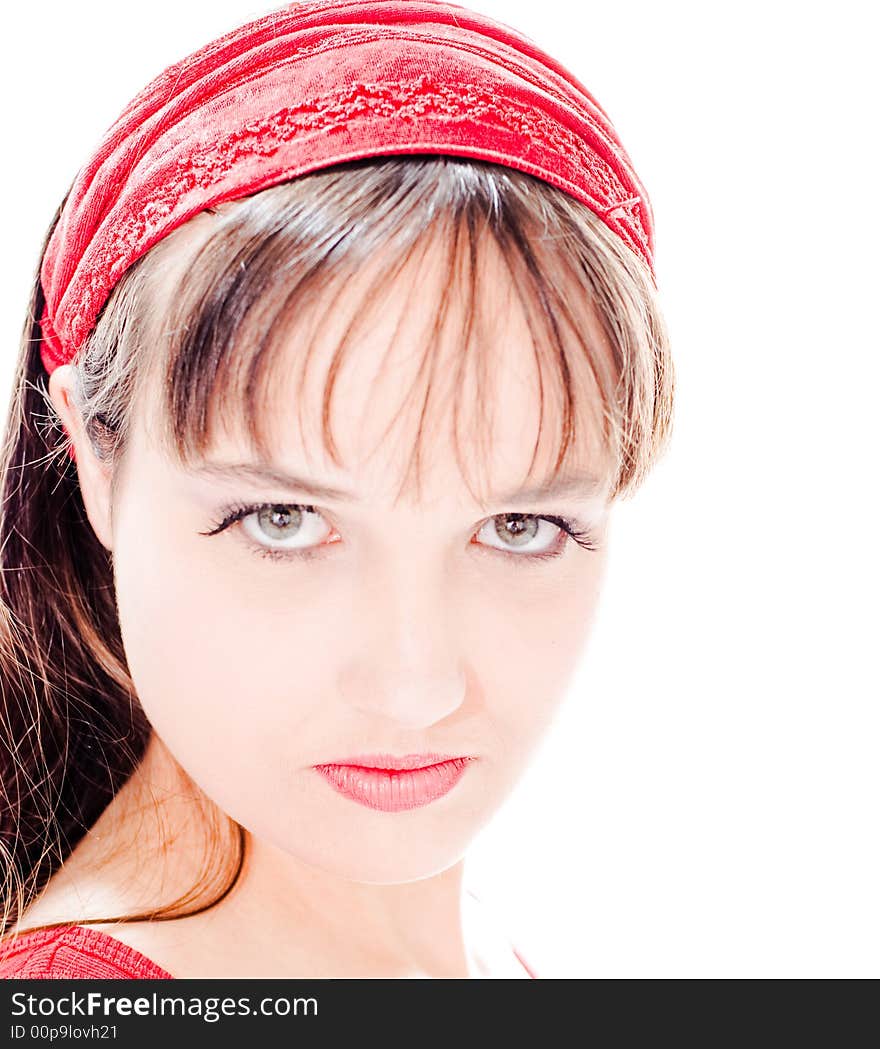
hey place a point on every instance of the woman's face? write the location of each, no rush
(425, 625)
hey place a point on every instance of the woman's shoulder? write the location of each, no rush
(83, 953)
(499, 955)
(74, 952)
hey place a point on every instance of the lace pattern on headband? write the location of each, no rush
(411, 100)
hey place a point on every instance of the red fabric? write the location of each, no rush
(77, 952)
(74, 952)
(310, 85)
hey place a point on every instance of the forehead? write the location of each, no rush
(427, 369)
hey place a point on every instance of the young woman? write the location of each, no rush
(342, 346)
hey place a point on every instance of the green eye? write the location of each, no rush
(301, 533)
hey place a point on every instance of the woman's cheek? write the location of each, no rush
(208, 664)
(536, 645)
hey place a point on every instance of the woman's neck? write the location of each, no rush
(283, 918)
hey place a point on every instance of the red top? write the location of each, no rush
(74, 952)
(77, 952)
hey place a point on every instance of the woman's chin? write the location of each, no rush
(381, 867)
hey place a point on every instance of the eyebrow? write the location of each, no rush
(583, 484)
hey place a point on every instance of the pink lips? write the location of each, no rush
(391, 784)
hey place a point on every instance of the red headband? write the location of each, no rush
(310, 85)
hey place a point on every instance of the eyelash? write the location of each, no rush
(231, 514)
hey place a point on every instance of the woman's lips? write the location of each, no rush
(393, 784)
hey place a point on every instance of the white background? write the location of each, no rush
(707, 803)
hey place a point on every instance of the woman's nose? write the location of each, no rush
(406, 662)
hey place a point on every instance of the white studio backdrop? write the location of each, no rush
(706, 805)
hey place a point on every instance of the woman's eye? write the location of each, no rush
(286, 527)
(535, 536)
(286, 530)
(277, 530)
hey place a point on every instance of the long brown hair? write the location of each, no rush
(72, 730)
